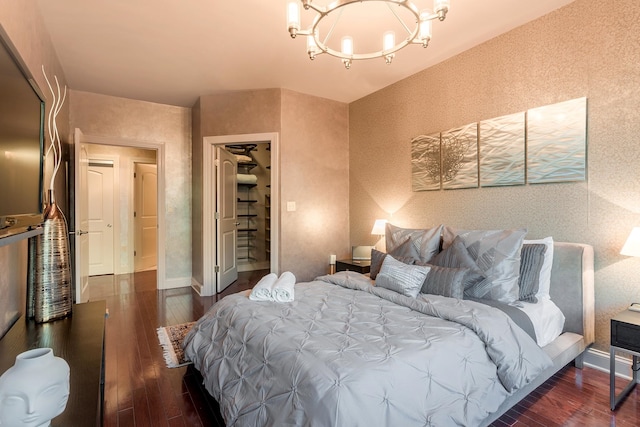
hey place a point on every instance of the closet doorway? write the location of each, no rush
(257, 196)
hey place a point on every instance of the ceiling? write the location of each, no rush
(172, 52)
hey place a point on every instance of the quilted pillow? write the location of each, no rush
(425, 241)
(448, 282)
(402, 278)
(545, 272)
(497, 253)
(405, 253)
(531, 261)
(457, 256)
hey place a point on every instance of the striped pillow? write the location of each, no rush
(402, 278)
(531, 260)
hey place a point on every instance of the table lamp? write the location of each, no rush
(378, 228)
(632, 248)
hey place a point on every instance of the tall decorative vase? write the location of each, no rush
(52, 289)
(34, 390)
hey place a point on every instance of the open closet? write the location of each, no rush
(253, 204)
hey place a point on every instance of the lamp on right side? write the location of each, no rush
(632, 248)
(632, 245)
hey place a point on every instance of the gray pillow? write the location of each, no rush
(405, 253)
(497, 253)
(448, 282)
(457, 256)
(531, 260)
(425, 241)
(402, 278)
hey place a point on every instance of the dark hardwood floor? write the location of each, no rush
(141, 391)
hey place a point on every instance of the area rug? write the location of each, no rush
(171, 338)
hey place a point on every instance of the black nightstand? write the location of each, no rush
(359, 266)
(625, 337)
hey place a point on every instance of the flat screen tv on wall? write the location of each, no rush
(21, 144)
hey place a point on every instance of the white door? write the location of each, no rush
(100, 181)
(227, 218)
(145, 217)
(81, 210)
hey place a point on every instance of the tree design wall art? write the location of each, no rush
(460, 157)
(425, 162)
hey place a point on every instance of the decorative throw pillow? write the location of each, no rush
(405, 253)
(425, 241)
(402, 278)
(457, 256)
(531, 261)
(545, 272)
(448, 282)
(497, 253)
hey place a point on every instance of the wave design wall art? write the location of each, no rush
(544, 145)
(556, 142)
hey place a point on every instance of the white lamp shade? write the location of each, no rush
(293, 15)
(379, 227)
(632, 245)
(347, 45)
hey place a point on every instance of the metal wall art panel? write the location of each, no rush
(425, 162)
(556, 142)
(501, 144)
(460, 157)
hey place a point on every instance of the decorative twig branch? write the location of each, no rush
(56, 146)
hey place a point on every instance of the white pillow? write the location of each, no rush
(545, 271)
(547, 319)
(400, 277)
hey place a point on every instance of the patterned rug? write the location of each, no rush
(171, 338)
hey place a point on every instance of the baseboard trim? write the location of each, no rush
(598, 359)
(196, 286)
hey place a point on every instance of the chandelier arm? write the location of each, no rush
(407, 29)
(326, 39)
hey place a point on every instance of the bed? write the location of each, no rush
(348, 351)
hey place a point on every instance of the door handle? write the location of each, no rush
(236, 223)
(108, 225)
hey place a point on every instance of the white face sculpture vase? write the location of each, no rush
(35, 390)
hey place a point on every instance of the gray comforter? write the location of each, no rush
(346, 353)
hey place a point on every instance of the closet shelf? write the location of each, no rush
(247, 230)
(240, 184)
(247, 201)
(247, 215)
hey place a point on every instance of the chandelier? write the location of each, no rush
(418, 32)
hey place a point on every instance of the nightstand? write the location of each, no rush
(360, 266)
(625, 337)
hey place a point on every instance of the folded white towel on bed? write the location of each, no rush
(282, 290)
(274, 288)
(262, 290)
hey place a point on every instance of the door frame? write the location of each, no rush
(116, 201)
(209, 201)
(159, 147)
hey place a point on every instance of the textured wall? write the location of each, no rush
(23, 24)
(313, 167)
(580, 50)
(120, 118)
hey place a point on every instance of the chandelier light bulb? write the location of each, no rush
(312, 48)
(347, 45)
(293, 18)
(441, 7)
(424, 34)
(388, 40)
